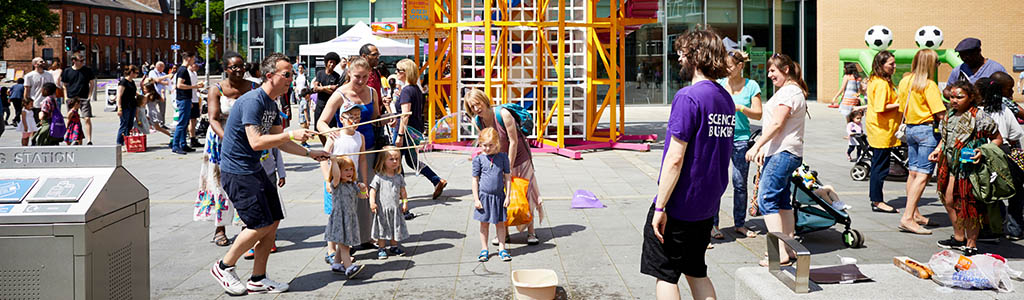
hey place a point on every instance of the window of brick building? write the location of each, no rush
(130, 28)
(157, 25)
(138, 27)
(106, 57)
(81, 22)
(106, 24)
(166, 29)
(69, 22)
(117, 22)
(95, 24)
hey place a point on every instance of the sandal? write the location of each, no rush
(789, 262)
(484, 256)
(505, 256)
(716, 233)
(221, 239)
(749, 233)
(250, 255)
(329, 258)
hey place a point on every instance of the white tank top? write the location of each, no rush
(346, 144)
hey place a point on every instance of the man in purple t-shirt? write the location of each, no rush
(975, 65)
(694, 170)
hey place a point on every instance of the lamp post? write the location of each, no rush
(175, 31)
(206, 46)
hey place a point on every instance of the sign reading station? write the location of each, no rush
(58, 157)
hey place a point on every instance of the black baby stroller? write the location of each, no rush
(813, 214)
(861, 169)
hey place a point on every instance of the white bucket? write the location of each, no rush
(534, 284)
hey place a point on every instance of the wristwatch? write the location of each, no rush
(307, 152)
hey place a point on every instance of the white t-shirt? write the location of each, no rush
(1009, 129)
(300, 82)
(35, 80)
(346, 144)
(195, 92)
(155, 75)
(791, 136)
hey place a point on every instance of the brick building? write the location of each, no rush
(111, 32)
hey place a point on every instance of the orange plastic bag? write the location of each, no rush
(518, 206)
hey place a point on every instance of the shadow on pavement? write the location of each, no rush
(298, 236)
(301, 167)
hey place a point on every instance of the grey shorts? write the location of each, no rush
(85, 110)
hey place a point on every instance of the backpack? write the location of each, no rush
(523, 117)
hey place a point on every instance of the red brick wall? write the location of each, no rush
(19, 54)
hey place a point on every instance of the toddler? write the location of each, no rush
(491, 174)
(343, 142)
(853, 127)
(27, 125)
(343, 225)
(387, 192)
(74, 124)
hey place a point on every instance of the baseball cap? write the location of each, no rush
(347, 106)
(968, 44)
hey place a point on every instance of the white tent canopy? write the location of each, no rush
(348, 44)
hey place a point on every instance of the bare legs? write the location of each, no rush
(246, 239)
(700, 288)
(87, 128)
(916, 183)
(501, 231)
(781, 222)
(959, 234)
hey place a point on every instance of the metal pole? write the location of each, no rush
(175, 30)
(206, 35)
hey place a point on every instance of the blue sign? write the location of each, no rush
(206, 41)
(13, 190)
(175, 47)
(6, 208)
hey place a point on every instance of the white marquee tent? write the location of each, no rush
(348, 44)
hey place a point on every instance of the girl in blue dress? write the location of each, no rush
(491, 174)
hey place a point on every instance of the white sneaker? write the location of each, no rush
(531, 239)
(266, 286)
(228, 279)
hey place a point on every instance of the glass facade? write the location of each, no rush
(760, 27)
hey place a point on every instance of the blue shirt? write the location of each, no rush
(703, 116)
(18, 91)
(745, 98)
(252, 108)
(986, 70)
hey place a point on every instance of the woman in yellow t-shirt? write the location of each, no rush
(922, 102)
(881, 122)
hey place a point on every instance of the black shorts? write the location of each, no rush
(681, 254)
(255, 198)
(318, 109)
(193, 113)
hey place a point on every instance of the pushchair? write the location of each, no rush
(861, 169)
(813, 213)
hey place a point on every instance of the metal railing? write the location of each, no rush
(799, 282)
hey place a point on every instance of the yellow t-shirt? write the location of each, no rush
(922, 105)
(880, 125)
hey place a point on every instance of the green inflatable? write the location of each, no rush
(904, 57)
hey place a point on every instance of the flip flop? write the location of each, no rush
(717, 234)
(764, 262)
(922, 232)
(748, 234)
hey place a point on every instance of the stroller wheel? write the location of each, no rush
(853, 239)
(859, 172)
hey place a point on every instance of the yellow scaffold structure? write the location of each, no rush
(554, 57)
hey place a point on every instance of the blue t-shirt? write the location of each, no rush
(703, 116)
(252, 108)
(745, 98)
(18, 91)
(986, 70)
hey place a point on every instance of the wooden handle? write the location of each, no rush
(378, 150)
(325, 132)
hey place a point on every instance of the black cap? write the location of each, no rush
(968, 44)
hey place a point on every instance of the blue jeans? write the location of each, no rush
(740, 168)
(773, 190)
(126, 125)
(879, 170)
(181, 129)
(921, 141)
(412, 161)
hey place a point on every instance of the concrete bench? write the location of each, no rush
(889, 282)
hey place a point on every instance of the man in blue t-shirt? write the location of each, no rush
(975, 65)
(254, 125)
(183, 98)
(694, 170)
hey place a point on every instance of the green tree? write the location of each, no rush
(24, 19)
(216, 14)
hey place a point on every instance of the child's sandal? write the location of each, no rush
(505, 256)
(484, 256)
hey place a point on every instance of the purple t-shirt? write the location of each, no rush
(703, 116)
(963, 71)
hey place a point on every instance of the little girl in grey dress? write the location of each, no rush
(491, 174)
(388, 202)
(343, 225)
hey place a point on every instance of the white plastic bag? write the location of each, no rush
(983, 271)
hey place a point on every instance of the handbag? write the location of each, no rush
(57, 126)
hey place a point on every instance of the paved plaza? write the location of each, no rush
(595, 252)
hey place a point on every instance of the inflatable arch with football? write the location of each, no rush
(879, 38)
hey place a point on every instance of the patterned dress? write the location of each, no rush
(74, 133)
(213, 203)
(389, 221)
(343, 225)
(970, 130)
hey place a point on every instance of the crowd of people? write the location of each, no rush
(977, 132)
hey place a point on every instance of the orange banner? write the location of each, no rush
(417, 14)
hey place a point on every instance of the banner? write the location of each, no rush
(416, 14)
(384, 27)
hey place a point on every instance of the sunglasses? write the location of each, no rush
(285, 74)
(961, 96)
(236, 67)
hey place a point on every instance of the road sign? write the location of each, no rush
(175, 47)
(206, 41)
